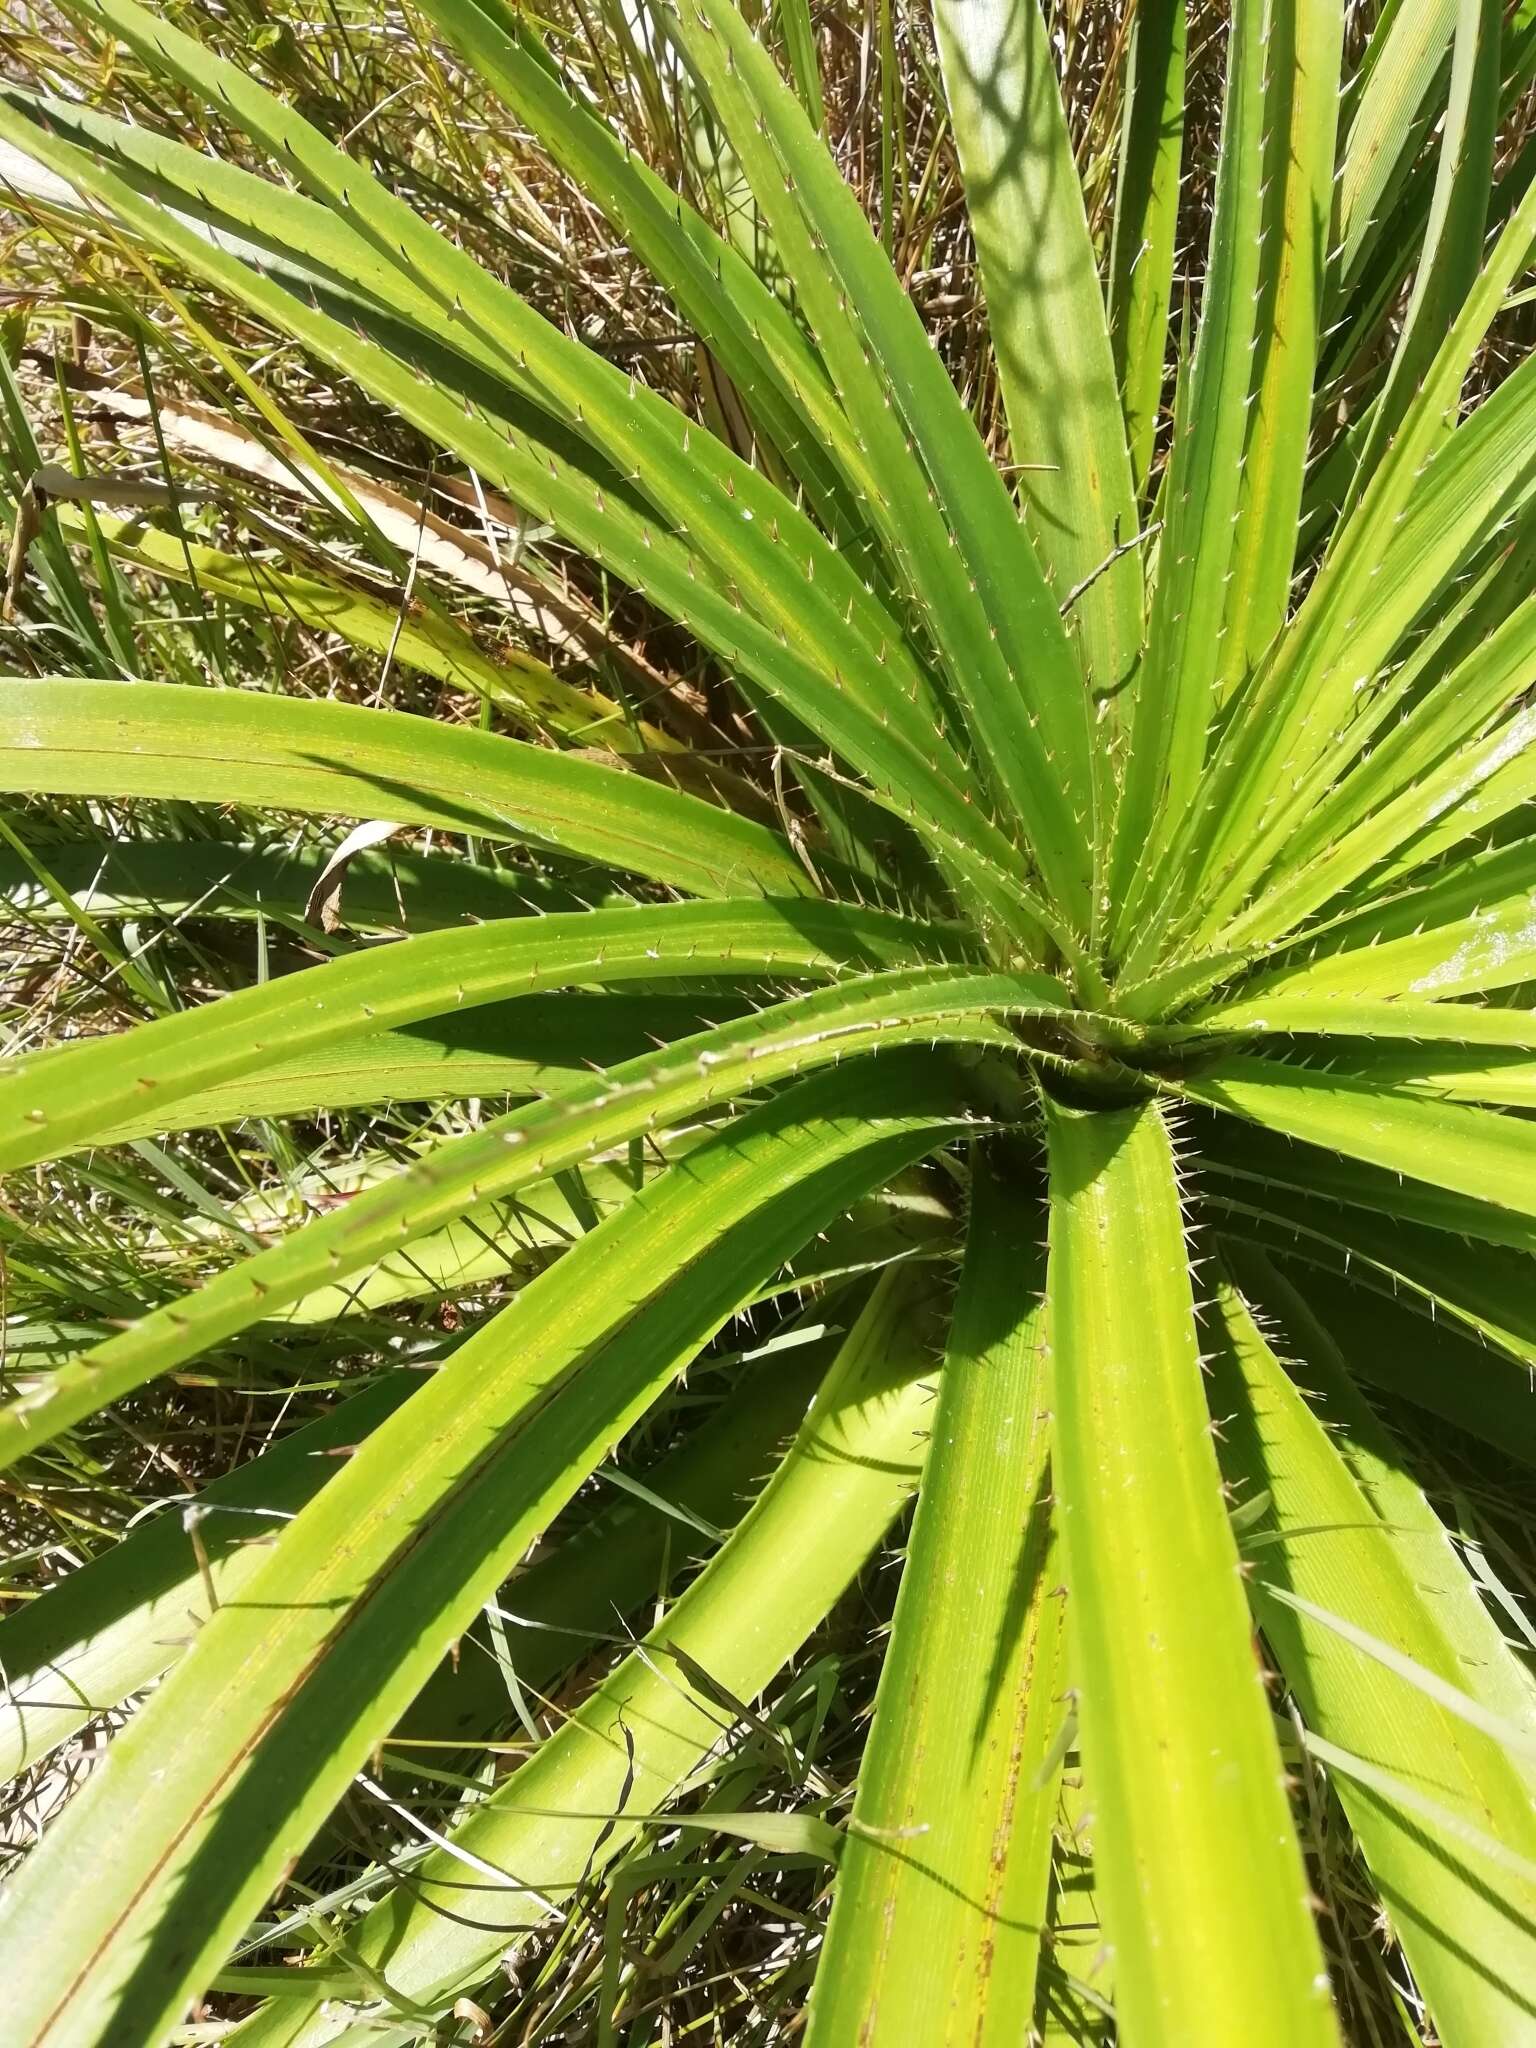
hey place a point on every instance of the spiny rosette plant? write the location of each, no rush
(1138, 826)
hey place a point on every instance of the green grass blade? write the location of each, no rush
(1074, 2005)
(941, 1891)
(113, 1626)
(367, 1589)
(627, 1549)
(1146, 218)
(799, 33)
(845, 1478)
(1200, 1878)
(1046, 314)
(1468, 1930)
(516, 683)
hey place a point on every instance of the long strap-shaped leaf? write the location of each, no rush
(1175, 690)
(1200, 1877)
(366, 1590)
(63, 1098)
(1339, 1014)
(941, 1892)
(1305, 39)
(1502, 781)
(851, 708)
(1467, 1924)
(1467, 932)
(656, 1719)
(1487, 1668)
(232, 878)
(1448, 1073)
(1421, 1358)
(530, 1144)
(1011, 668)
(1427, 715)
(1485, 1288)
(1146, 218)
(1045, 311)
(1359, 305)
(530, 1046)
(1390, 108)
(1453, 936)
(1474, 1152)
(113, 1627)
(1336, 1179)
(1458, 218)
(752, 334)
(59, 737)
(692, 479)
(1414, 527)
(320, 255)
(1434, 786)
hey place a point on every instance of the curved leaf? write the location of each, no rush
(366, 1590)
(656, 1719)
(59, 737)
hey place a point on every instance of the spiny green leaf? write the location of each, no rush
(403, 1547)
(1199, 1875)
(1469, 1936)
(1475, 1152)
(60, 737)
(1146, 216)
(1045, 312)
(529, 1144)
(940, 1897)
(653, 1722)
(1175, 688)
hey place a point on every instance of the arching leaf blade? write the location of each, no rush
(403, 1548)
(844, 1479)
